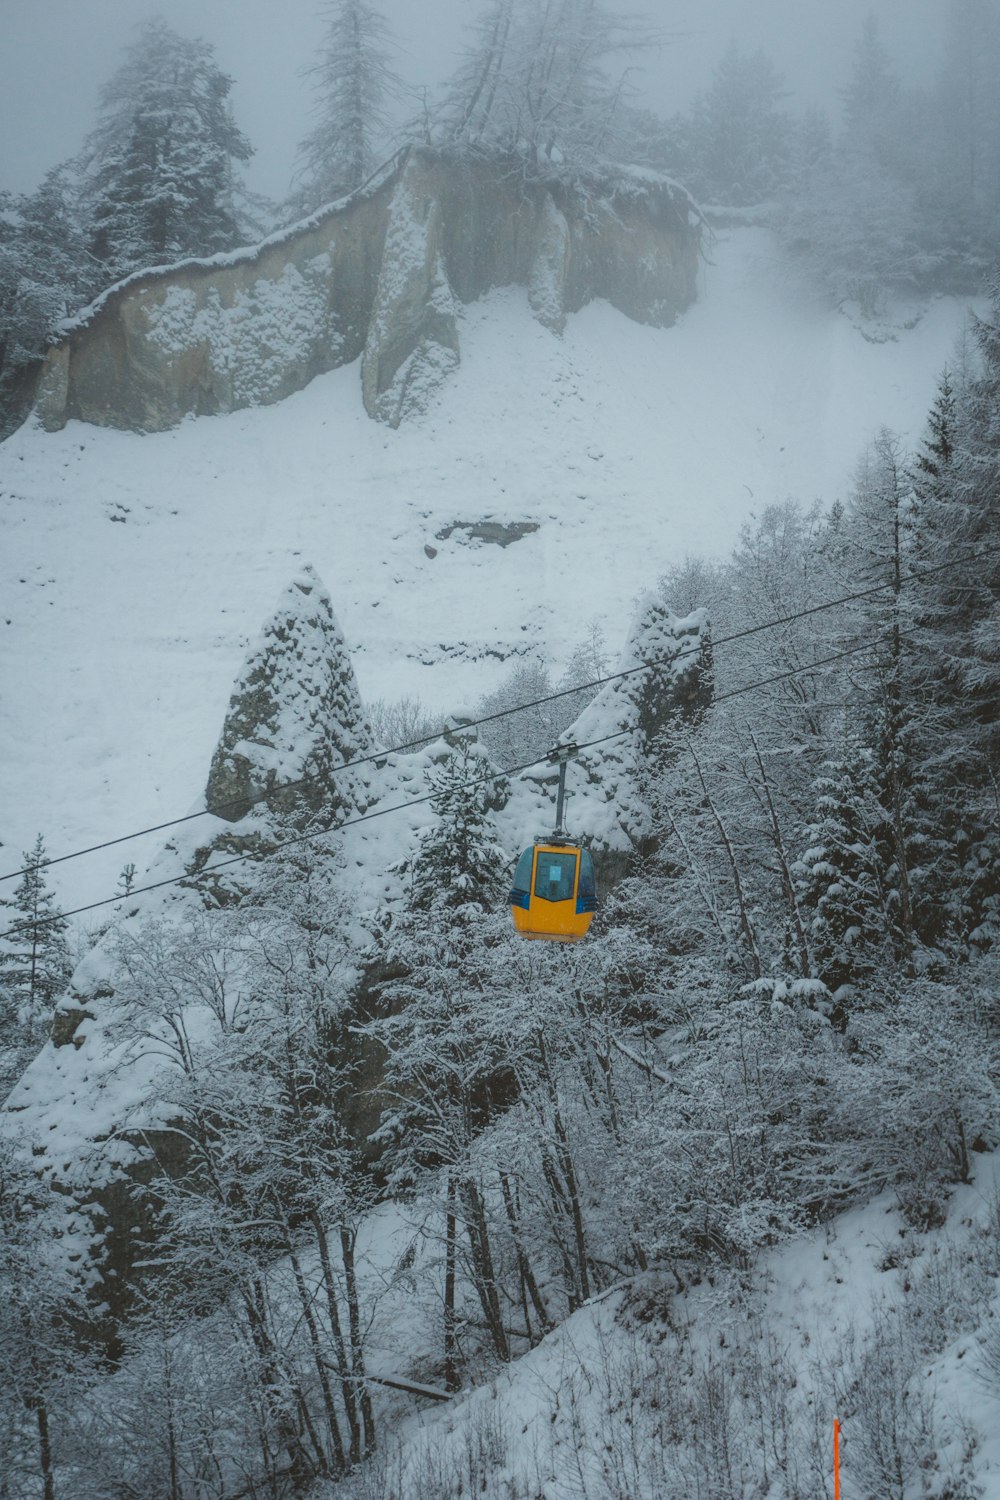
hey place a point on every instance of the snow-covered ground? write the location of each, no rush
(731, 1387)
(134, 569)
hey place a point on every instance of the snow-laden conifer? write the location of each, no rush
(34, 956)
(160, 163)
(45, 273)
(460, 865)
(739, 133)
(354, 88)
(840, 874)
(634, 720)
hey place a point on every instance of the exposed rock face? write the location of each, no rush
(413, 335)
(380, 275)
(500, 534)
(295, 713)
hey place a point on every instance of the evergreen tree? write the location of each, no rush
(956, 555)
(962, 154)
(460, 865)
(446, 1057)
(45, 273)
(871, 93)
(877, 531)
(957, 483)
(858, 213)
(354, 86)
(44, 267)
(159, 167)
(740, 132)
(839, 875)
(939, 859)
(34, 957)
(977, 533)
(931, 479)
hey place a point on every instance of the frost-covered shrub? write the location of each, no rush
(402, 722)
(522, 734)
(936, 1101)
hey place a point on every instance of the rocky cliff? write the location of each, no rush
(380, 276)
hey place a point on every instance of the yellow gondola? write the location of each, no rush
(554, 894)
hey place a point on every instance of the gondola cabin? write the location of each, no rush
(554, 895)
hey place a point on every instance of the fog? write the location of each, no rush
(56, 54)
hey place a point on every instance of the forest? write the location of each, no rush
(789, 1001)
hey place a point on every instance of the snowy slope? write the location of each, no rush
(731, 1387)
(134, 569)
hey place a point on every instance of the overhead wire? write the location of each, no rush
(505, 713)
(190, 877)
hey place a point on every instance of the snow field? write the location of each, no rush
(135, 569)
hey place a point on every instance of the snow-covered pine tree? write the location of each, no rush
(45, 273)
(956, 540)
(740, 132)
(159, 167)
(839, 875)
(35, 962)
(961, 157)
(969, 592)
(858, 216)
(924, 754)
(446, 1056)
(871, 93)
(931, 474)
(354, 86)
(460, 866)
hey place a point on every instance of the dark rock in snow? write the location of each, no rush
(489, 531)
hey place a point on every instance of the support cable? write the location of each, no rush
(505, 713)
(382, 812)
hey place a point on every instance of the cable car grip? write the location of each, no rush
(561, 755)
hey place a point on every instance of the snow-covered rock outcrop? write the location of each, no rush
(91, 1109)
(295, 716)
(622, 734)
(380, 274)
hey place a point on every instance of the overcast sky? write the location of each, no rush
(56, 54)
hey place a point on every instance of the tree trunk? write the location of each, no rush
(564, 1157)
(787, 884)
(529, 1286)
(483, 1273)
(450, 1342)
(312, 1327)
(357, 1345)
(746, 926)
(347, 1387)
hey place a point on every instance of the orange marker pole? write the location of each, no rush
(836, 1459)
